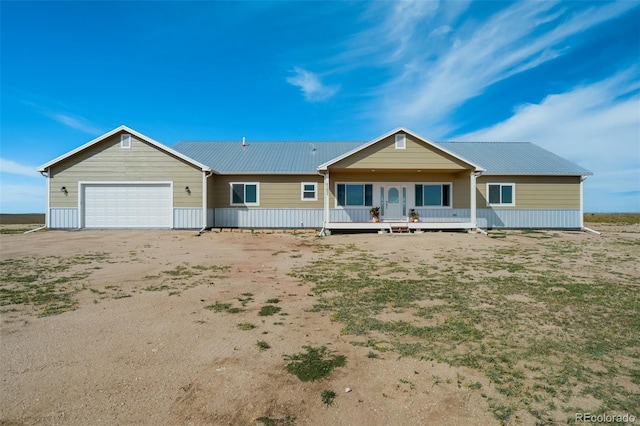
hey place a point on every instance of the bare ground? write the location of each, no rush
(137, 344)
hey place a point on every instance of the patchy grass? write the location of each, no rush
(44, 286)
(183, 277)
(269, 310)
(245, 326)
(218, 307)
(262, 345)
(327, 396)
(14, 230)
(314, 363)
(283, 421)
(544, 335)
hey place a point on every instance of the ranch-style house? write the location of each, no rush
(124, 179)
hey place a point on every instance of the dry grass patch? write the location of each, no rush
(545, 336)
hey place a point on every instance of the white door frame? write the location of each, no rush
(81, 201)
(402, 200)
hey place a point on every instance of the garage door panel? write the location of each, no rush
(127, 206)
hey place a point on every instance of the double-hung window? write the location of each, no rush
(433, 195)
(501, 194)
(245, 194)
(309, 191)
(355, 195)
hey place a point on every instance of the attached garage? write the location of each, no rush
(126, 180)
(126, 205)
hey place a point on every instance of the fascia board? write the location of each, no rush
(324, 166)
(147, 139)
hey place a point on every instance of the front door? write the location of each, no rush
(393, 203)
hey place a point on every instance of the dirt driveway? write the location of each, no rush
(164, 327)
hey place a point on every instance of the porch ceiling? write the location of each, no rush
(382, 171)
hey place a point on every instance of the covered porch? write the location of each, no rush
(433, 201)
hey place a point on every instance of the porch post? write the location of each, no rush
(582, 179)
(472, 198)
(326, 197)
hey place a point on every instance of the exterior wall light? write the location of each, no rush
(187, 190)
(64, 190)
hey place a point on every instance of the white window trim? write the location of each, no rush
(315, 191)
(373, 190)
(401, 141)
(434, 207)
(257, 184)
(513, 194)
(125, 141)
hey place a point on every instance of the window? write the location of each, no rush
(501, 194)
(355, 195)
(309, 191)
(245, 194)
(125, 141)
(433, 195)
(401, 141)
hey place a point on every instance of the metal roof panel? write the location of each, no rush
(293, 157)
(515, 158)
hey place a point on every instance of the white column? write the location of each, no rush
(47, 213)
(582, 178)
(204, 199)
(472, 198)
(326, 197)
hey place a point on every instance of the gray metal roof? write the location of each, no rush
(514, 158)
(264, 157)
(509, 158)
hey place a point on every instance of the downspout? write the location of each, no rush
(205, 195)
(582, 227)
(46, 212)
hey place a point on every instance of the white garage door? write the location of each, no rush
(132, 205)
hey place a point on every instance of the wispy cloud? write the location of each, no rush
(595, 125)
(8, 166)
(440, 63)
(75, 123)
(69, 120)
(312, 88)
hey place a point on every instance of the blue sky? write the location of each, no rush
(564, 75)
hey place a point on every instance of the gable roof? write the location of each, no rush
(264, 157)
(386, 135)
(515, 158)
(299, 157)
(115, 131)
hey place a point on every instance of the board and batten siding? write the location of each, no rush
(107, 162)
(276, 191)
(535, 192)
(460, 183)
(417, 155)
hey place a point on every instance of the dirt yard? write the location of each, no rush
(166, 327)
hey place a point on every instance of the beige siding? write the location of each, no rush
(106, 161)
(536, 192)
(384, 156)
(276, 191)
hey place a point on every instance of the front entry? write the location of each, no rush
(393, 203)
